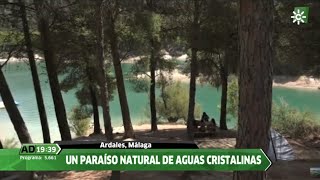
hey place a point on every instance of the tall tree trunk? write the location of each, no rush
(94, 101)
(1, 146)
(152, 94)
(102, 74)
(224, 90)
(50, 60)
(13, 111)
(129, 133)
(35, 76)
(192, 89)
(255, 80)
(193, 65)
(95, 109)
(154, 52)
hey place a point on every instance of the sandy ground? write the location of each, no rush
(15, 59)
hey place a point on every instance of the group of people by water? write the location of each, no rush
(204, 124)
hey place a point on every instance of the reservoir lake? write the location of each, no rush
(19, 78)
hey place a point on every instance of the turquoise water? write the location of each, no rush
(20, 81)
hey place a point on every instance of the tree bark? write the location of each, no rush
(35, 76)
(95, 109)
(13, 111)
(129, 133)
(193, 65)
(192, 89)
(255, 80)
(102, 74)
(94, 101)
(224, 90)
(154, 51)
(152, 93)
(50, 61)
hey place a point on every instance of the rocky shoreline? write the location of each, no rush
(297, 82)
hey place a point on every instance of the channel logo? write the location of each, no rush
(300, 15)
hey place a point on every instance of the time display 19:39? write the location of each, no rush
(46, 149)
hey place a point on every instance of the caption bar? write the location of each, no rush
(53, 157)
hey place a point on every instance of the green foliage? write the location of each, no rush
(210, 66)
(10, 37)
(218, 46)
(233, 97)
(75, 41)
(293, 122)
(141, 66)
(80, 120)
(150, 22)
(140, 85)
(173, 103)
(140, 78)
(167, 65)
(154, 21)
(138, 69)
(10, 143)
(130, 32)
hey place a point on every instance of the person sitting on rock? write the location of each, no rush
(205, 117)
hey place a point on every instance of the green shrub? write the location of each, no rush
(293, 122)
(173, 103)
(80, 120)
(233, 97)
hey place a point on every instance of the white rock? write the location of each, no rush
(167, 57)
(182, 58)
(164, 52)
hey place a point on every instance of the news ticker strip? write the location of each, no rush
(31, 158)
